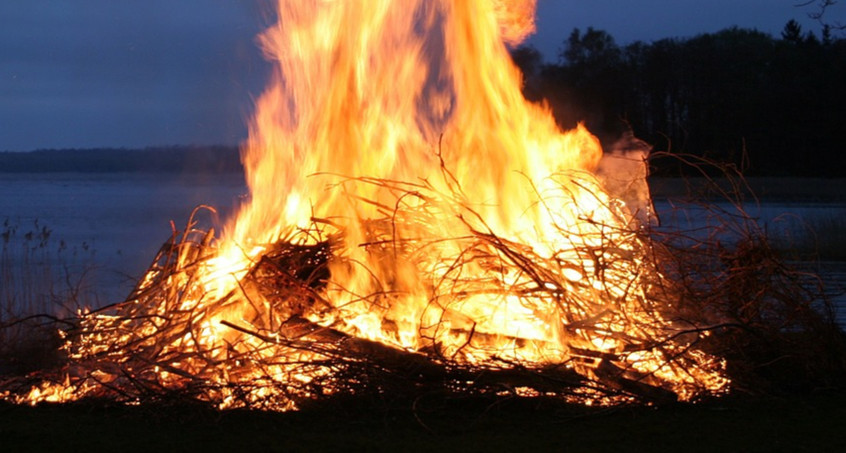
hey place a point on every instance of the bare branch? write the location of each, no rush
(819, 13)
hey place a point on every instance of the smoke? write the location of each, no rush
(623, 171)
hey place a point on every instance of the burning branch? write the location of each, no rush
(282, 335)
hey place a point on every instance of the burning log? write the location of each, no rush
(429, 372)
(301, 333)
(289, 264)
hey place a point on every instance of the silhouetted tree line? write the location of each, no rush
(776, 106)
(170, 159)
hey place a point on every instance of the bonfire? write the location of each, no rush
(413, 225)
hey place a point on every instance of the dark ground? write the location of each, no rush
(815, 422)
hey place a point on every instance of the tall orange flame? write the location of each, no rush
(367, 89)
(407, 91)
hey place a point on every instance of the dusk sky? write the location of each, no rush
(105, 73)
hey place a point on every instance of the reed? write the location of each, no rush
(820, 237)
(44, 280)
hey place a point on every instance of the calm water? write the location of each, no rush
(779, 218)
(118, 221)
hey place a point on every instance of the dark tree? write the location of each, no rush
(738, 96)
(594, 48)
(792, 32)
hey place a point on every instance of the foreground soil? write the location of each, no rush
(808, 423)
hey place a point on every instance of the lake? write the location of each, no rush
(115, 223)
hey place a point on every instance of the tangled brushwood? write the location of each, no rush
(632, 314)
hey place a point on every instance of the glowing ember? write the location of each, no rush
(410, 212)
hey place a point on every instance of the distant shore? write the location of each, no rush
(764, 188)
(169, 159)
(211, 160)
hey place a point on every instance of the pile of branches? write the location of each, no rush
(697, 297)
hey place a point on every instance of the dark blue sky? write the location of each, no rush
(89, 73)
(92, 73)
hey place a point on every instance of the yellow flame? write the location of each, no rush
(404, 91)
(400, 128)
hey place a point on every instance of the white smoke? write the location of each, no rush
(623, 171)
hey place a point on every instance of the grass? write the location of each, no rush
(808, 423)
